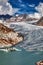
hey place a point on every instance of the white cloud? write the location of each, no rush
(31, 5)
(35, 15)
(3, 1)
(6, 8)
(39, 8)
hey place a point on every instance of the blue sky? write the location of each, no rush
(31, 7)
(25, 6)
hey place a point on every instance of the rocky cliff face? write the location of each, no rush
(9, 37)
(40, 22)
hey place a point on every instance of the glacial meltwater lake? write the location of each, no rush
(31, 48)
(20, 58)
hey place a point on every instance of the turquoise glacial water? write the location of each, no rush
(20, 58)
(32, 47)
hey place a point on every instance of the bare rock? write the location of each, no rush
(40, 22)
(39, 63)
(9, 37)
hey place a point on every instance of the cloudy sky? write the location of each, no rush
(31, 7)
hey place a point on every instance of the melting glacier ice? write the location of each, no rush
(33, 35)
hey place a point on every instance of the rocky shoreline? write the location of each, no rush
(39, 63)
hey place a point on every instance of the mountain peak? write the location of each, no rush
(5, 16)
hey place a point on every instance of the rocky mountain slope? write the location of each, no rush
(9, 37)
(5, 16)
(40, 22)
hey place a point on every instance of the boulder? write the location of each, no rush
(39, 63)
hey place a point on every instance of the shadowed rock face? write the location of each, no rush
(9, 37)
(40, 22)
